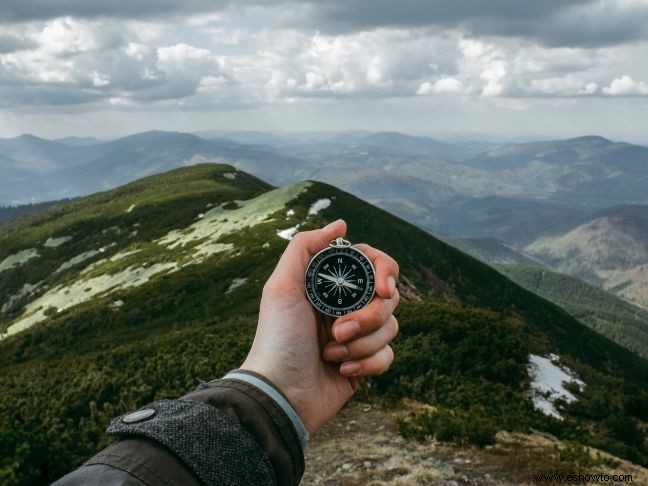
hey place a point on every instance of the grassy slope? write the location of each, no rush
(66, 378)
(609, 315)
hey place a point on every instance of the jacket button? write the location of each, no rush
(138, 416)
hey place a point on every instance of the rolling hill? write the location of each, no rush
(583, 171)
(39, 170)
(610, 249)
(602, 311)
(491, 251)
(138, 293)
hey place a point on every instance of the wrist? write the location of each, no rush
(271, 390)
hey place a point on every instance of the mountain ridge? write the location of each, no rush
(187, 235)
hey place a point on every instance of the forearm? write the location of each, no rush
(225, 432)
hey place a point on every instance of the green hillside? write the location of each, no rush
(138, 293)
(613, 317)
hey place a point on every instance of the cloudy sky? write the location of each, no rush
(497, 68)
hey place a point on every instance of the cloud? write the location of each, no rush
(549, 22)
(205, 55)
(443, 85)
(28, 10)
(10, 42)
(584, 23)
(626, 86)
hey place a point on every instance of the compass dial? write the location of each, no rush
(340, 280)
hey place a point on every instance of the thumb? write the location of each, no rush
(305, 244)
(300, 250)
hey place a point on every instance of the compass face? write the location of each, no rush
(340, 280)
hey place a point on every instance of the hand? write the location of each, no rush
(315, 362)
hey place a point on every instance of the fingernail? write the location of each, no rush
(337, 352)
(391, 285)
(350, 368)
(345, 330)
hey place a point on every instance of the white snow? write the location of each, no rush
(63, 297)
(548, 383)
(237, 282)
(219, 222)
(130, 208)
(208, 248)
(117, 303)
(318, 205)
(290, 213)
(288, 233)
(18, 259)
(54, 242)
(230, 175)
(197, 241)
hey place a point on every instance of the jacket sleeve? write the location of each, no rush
(236, 430)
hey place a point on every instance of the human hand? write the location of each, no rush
(316, 362)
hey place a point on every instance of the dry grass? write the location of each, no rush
(362, 447)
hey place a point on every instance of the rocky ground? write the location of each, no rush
(362, 446)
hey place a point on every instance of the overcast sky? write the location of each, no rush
(496, 68)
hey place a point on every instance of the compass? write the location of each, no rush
(340, 279)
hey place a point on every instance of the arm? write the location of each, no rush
(251, 426)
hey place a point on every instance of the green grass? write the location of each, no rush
(606, 313)
(463, 348)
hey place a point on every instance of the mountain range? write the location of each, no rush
(547, 199)
(115, 299)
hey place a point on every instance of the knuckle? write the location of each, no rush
(396, 298)
(393, 326)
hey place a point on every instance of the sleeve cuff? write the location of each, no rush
(265, 386)
(216, 449)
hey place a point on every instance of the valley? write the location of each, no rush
(140, 292)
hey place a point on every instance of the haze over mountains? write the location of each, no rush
(543, 198)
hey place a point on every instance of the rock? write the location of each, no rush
(347, 466)
(367, 464)
(446, 470)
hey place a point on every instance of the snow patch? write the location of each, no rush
(130, 208)
(548, 383)
(318, 205)
(219, 222)
(288, 233)
(209, 248)
(63, 297)
(18, 259)
(236, 283)
(114, 258)
(290, 213)
(117, 304)
(230, 175)
(54, 242)
(77, 259)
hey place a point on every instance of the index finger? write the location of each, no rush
(386, 270)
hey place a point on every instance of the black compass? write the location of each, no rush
(340, 279)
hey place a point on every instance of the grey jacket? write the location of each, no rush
(239, 430)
